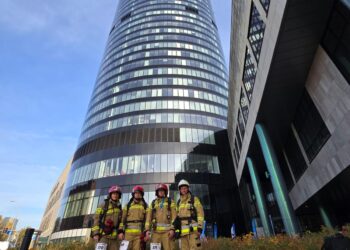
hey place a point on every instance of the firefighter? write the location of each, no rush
(132, 225)
(190, 218)
(160, 218)
(107, 218)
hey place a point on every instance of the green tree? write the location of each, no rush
(19, 237)
(3, 236)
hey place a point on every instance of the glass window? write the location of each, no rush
(171, 163)
(188, 134)
(244, 106)
(209, 163)
(102, 169)
(119, 166)
(157, 163)
(206, 136)
(194, 135)
(94, 205)
(164, 163)
(265, 4)
(95, 166)
(178, 163)
(311, 128)
(212, 137)
(150, 167)
(249, 74)
(131, 164)
(295, 157)
(144, 164)
(78, 175)
(200, 135)
(216, 165)
(82, 174)
(108, 170)
(336, 40)
(114, 167)
(137, 164)
(85, 206)
(256, 31)
(124, 161)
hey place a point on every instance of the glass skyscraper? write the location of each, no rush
(157, 114)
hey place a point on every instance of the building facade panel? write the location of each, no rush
(330, 92)
(48, 220)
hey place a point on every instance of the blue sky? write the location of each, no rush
(50, 54)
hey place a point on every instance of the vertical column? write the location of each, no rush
(259, 197)
(277, 180)
(325, 217)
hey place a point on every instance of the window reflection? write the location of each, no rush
(256, 31)
(249, 74)
(161, 118)
(84, 203)
(153, 163)
(157, 81)
(164, 163)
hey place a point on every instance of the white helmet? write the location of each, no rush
(183, 183)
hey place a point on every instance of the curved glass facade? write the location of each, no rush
(157, 113)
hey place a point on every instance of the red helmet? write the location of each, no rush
(115, 188)
(139, 189)
(163, 187)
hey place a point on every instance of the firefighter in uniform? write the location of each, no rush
(190, 218)
(133, 220)
(107, 218)
(160, 218)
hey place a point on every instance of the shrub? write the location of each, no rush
(308, 241)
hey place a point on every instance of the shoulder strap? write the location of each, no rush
(119, 206)
(193, 208)
(169, 204)
(145, 205)
(178, 203)
(105, 209)
(153, 204)
(129, 204)
(192, 200)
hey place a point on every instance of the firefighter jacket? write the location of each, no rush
(191, 214)
(134, 217)
(161, 215)
(107, 218)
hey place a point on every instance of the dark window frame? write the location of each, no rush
(335, 36)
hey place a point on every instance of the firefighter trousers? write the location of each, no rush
(134, 241)
(112, 244)
(163, 239)
(190, 242)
